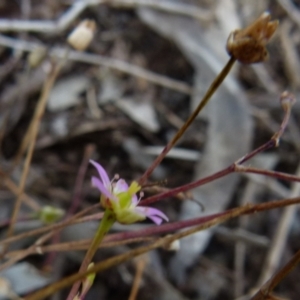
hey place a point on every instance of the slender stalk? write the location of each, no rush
(73, 220)
(75, 246)
(211, 90)
(140, 267)
(188, 186)
(34, 132)
(287, 100)
(31, 203)
(265, 291)
(40, 109)
(274, 174)
(105, 224)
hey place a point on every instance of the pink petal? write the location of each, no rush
(120, 186)
(102, 173)
(96, 182)
(155, 212)
(152, 213)
(156, 220)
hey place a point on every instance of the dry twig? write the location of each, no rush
(34, 131)
(265, 292)
(56, 27)
(102, 61)
(278, 244)
(140, 266)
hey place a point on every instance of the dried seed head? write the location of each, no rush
(248, 45)
(287, 100)
(81, 37)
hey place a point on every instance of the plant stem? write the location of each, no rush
(288, 100)
(113, 261)
(33, 135)
(105, 224)
(211, 90)
(270, 173)
(265, 291)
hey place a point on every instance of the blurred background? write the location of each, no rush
(119, 102)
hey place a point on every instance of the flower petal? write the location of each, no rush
(96, 182)
(102, 173)
(152, 213)
(120, 186)
(156, 220)
(155, 212)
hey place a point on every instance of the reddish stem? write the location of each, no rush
(170, 227)
(287, 100)
(275, 174)
(188, 186)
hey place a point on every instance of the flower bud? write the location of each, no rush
(50, 214)
(81, 37)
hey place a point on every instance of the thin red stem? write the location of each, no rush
(266, 146)
(170, 227)
(274, 141)
(270, 173)
(188, 186)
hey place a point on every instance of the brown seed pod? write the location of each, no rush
(248, 45)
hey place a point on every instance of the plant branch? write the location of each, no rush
(73, 220)
(265, 291)
(51, 289)
(34, 132)
(270, 173)
(286, 100)
(211, 90)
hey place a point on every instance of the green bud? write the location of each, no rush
(49, 214)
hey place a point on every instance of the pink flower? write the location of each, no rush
(122, 199)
